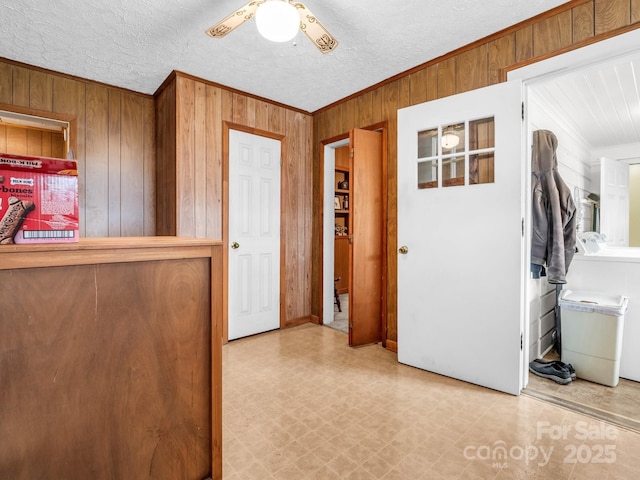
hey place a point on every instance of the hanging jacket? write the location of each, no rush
(553, 236)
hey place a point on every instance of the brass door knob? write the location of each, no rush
(235, 245)
(404, 250)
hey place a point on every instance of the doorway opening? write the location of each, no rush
(599, 120)
(354, 234)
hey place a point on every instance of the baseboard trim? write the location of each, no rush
(295, 322)
(392, 345)
(315, 319)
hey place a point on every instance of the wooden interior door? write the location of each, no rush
(614, 202)
(366, 237)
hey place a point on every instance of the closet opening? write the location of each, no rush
(354, 234)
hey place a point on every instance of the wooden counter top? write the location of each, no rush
(103, 250)
(111, 359)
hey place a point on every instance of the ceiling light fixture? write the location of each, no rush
(450, 140)
(277, 20)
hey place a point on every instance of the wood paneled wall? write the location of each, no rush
(475, 66)
(191, 118)
(113, 138)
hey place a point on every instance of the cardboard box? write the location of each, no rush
(38, 200)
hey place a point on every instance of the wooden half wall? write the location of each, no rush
(477, 65)
(113, 138)
(192, 116)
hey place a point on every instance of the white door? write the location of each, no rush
(614, 202)
(254, 234)
(460, 211)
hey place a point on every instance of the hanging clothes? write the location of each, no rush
(553, 235)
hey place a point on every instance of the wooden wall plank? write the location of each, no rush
(552, 33)
(364, 107)
(262, 115)
(149, 168)
(472, 69)
(376, 106)
(391, 102)
(227, 107)
(41, 91)
(240, 109)
(250, 106)
(524, 43)
(583, 22)
(502, 52)
(611, 14)
(432, 82)
(635, 12)
(3, 139)
(132, 167)
(34, 142)
(305, 138)
(447, 77)
(114, 168)
(47, 141)
(17, 140)
(418, 86)
(58, 147)
(200, 134)
(185, 170)
(6, 83)
(166, 183)
(349, 116)
(289, 221)
(277, 119)
(296, 215)
(97, 162)
(20, 86)
(404, 90)
(214, 162)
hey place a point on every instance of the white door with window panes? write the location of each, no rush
(460, 236)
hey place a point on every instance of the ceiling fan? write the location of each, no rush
(295, 13)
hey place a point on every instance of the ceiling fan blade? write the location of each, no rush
(314, 30)
(234, 20)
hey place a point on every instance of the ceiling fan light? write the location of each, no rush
(450, 140)
(277, 20)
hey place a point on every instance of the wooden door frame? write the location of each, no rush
(383, 128)
(226, 126)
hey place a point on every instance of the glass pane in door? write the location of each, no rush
(428, 174)
(453, 171)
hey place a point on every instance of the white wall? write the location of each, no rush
(574, 153)
(328, 249)
(574, 165)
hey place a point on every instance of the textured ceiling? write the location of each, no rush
(136, 44)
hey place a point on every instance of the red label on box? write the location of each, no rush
(38, 200)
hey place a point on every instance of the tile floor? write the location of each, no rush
(300, 404)
(621, 403)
